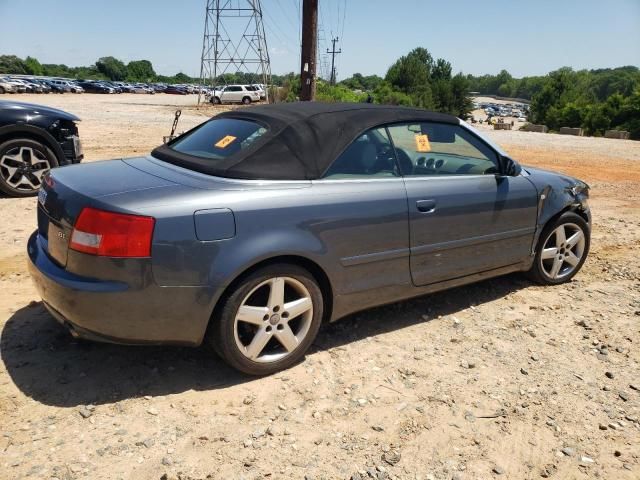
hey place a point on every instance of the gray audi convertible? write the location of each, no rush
(250, 230)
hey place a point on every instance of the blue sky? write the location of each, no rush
(525, 37)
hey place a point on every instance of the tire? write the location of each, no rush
(570, 254)
(1, 90)
(263, 320)
(216, 101)
(16, 154)
(246, 100)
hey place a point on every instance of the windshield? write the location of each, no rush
(219, 138)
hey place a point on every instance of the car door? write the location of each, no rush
(360, 212)
(464, 217)
(234, 93)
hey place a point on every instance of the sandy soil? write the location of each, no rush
(501, 379)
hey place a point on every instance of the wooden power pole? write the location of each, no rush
(309, 50)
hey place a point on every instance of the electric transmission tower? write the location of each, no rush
(234, 41)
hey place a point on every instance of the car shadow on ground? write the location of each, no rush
(48, 365)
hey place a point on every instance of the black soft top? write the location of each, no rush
(302, 141)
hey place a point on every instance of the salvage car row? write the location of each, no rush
(217, 94)
(13, 84)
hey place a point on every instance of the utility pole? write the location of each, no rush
(309, 50)
(333, 53)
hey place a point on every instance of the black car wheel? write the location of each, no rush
(246, 100)
(1, 90)
(23, 162)
(216, 100)
(269, 320)
(562, 250)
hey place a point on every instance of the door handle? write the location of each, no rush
(426, 206)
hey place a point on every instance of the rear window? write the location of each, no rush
(219, 138)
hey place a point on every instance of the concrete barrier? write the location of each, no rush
(578, 132)
(618, 134)
(502, 126)
(530, 127)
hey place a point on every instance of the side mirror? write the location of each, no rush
(510, 167)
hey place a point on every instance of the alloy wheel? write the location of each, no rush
(562, 251)
(273, 319)
(22, 168)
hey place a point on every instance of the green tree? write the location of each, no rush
(33, 66)
(112, 68)
(140, 71)
(412, 71)
(12, 64)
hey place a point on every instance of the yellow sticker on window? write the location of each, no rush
(422, 143)
(225, 141)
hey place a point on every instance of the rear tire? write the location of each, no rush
(23, 162)
(269, 320)
(246, 100)
(562, 250)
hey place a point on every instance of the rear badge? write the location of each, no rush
(62, 235)
(42, 196)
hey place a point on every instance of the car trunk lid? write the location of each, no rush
(66, 191)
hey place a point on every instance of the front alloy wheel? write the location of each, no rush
(562, 250)
(23, 162)
(269, 320)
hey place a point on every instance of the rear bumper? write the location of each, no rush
(136, 312)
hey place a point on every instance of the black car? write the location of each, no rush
(175, 90)
(33, 140)
(95, 87)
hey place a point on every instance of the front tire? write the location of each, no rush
(246, 100)
(269, 320)
(23, 162)
(562, 250)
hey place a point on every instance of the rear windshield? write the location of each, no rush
(219, 138)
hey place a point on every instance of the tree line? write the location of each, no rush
(596, 100)
(111, 68)
(415, 79)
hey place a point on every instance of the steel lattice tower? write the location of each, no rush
(224, 52)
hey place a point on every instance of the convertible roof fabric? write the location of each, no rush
(302, 141)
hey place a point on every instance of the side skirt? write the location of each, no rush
(347, 304)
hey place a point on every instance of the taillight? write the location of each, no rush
(112, 234)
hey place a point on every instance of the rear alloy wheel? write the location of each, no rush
(562, 250)
(246, 100)
(23, 162)
(269, 321)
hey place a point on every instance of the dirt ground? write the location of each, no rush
(501, 379)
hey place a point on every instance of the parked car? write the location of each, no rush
(260, 89)
(235, 94)
(55, 88)
(30, 86)
(45, 87)
(95, 87)
(18, 87)
(250, 230)
(173, 90)
(7, 87)
(33, 140)
(65, 85)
